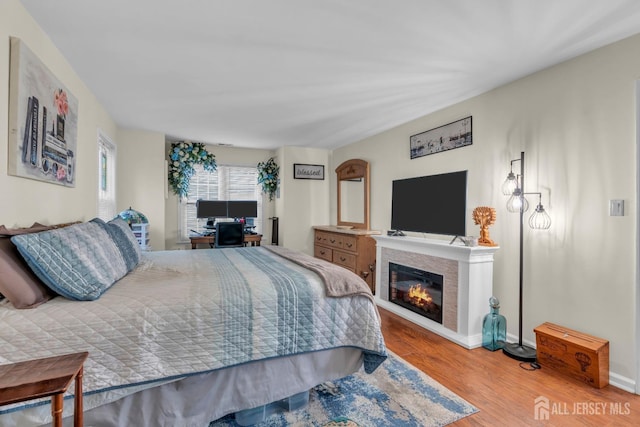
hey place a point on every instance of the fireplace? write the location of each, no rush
(417, 290)
(466, 286)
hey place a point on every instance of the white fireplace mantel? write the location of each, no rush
(467, 287)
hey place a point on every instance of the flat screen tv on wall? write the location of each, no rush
(434, 204)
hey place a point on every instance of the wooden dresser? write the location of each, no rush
(353, 249)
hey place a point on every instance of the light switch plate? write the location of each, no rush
(616, 207)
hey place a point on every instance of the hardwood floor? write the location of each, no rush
(503, 391)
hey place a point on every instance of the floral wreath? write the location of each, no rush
(268, 177)
(183, 156)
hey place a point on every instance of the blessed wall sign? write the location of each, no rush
(303, 171)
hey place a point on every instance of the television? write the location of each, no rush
(211, 209)
(435, 204)
(242, 209)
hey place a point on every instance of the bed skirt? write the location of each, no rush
(196, 401)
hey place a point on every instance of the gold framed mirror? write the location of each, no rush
(353, 193)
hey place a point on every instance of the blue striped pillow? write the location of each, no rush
(79, 262)
(125, 240)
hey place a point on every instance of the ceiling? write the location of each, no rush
(312, 73)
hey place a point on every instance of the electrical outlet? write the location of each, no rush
(616, 207)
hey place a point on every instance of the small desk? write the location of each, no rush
(254, 239)
(51, 376)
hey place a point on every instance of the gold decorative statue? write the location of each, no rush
(484, 216)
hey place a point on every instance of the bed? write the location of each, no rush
(185, 337)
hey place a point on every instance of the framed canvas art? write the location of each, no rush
(43, 121)
(447, 137)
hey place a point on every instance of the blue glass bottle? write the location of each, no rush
(494, 327)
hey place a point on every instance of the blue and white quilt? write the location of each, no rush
(179, 313)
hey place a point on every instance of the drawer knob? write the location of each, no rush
(343, 259)
(349, 245)
(322, 252)
(364, 274)
(332, 240)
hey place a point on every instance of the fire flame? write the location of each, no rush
(418, 296)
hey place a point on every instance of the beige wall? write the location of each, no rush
(141, 180)
(577, 124)
(303, 203)
(24, 200)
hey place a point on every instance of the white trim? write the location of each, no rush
(104, 140)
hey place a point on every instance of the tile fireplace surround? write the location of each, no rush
(468, 283)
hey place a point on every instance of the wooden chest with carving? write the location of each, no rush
(581, 356)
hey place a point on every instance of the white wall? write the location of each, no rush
(576, 123)
(24, 200)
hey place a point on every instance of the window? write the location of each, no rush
(106, 177)
(226, 183)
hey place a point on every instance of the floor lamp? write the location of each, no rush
(517, 203)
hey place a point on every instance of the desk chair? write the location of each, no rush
(229, 235)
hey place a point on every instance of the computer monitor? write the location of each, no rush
(211, 209)
(242, 209)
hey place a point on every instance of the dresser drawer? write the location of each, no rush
(334, 240)
(345, 259)
(322, 238)
(349, 243)
(323, 252)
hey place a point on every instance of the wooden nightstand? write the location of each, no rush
(43, 378)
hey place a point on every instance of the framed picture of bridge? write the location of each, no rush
(447, 137)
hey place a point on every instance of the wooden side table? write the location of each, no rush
(43, 378)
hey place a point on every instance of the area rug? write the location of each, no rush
(395, 395)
